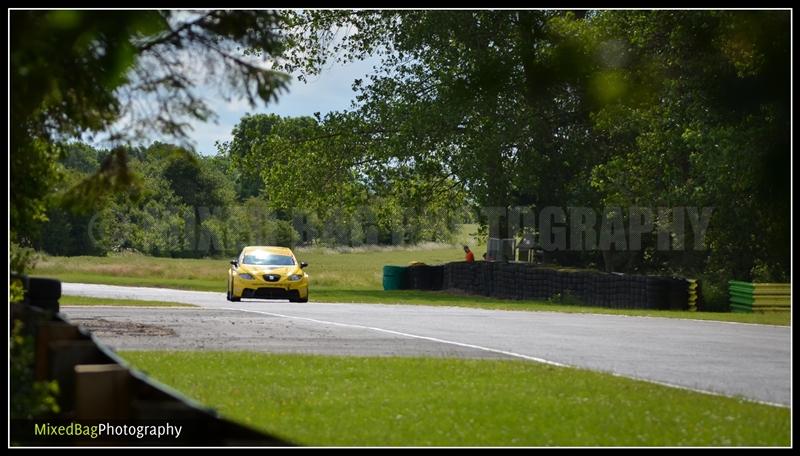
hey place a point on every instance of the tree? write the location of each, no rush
(483, 99)
(584, 108)
(685, 140)
(124, 74)
(328, 167)
(202, 188)
(247, 135)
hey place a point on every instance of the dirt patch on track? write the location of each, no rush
(137, 328)
(103, 327)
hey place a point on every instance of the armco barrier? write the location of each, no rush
(98, 387)
(530, 281)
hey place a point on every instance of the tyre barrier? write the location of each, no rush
(424, 277)
(746, 297)
(97, 387)
(594, 288)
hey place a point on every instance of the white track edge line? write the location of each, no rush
(508, 353)
(90, 306)
(398, 333)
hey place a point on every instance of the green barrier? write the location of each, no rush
(761, 297)
(395, 277)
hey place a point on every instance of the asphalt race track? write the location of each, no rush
(733, 359)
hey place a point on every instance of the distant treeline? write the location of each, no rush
(182, 204)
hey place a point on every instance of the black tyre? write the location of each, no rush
(296, 297)
(229, 295)
(41, 289)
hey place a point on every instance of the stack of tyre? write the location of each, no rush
(528, 281)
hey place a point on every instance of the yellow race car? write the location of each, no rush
(267, 272)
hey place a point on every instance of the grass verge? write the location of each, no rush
(335, 277)
(440, 298)
(344, 401)
(86, 301)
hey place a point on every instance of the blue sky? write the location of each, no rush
(330, 91)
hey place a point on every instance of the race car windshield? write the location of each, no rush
(269, 259)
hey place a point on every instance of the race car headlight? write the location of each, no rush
(246, 276)
(295, 277)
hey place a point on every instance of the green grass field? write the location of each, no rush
(86, 301)
(316, 400)
(335, 277)
(328, 268)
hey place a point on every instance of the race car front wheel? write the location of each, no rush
(229, 296)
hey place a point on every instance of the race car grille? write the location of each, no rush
(272, 277)
(267, 293)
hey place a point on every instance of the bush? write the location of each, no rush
(28, 398)
(22, 259)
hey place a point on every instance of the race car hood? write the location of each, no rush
(257, 270)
